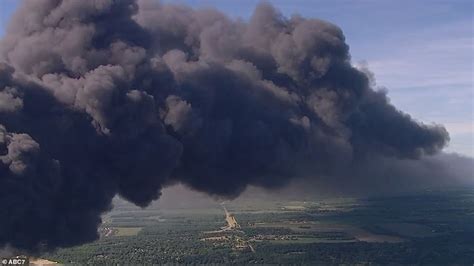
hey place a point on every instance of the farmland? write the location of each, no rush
(429, 227)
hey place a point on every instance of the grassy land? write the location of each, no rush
(127, 231)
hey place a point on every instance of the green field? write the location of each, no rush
(127, 231)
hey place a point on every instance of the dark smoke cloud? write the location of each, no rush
(103, 97)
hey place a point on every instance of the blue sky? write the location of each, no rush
(421, 51)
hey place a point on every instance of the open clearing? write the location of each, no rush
(356, 232)
(127, 231)
(310, 240)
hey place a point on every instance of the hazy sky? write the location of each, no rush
(421, 51)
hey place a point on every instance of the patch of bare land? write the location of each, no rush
(42, 262)
(118, 231)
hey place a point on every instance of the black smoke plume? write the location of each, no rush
(104, 97)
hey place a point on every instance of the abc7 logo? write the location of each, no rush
(15, 261)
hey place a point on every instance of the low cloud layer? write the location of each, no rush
(99, 98)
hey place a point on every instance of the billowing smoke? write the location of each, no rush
(99, 98)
